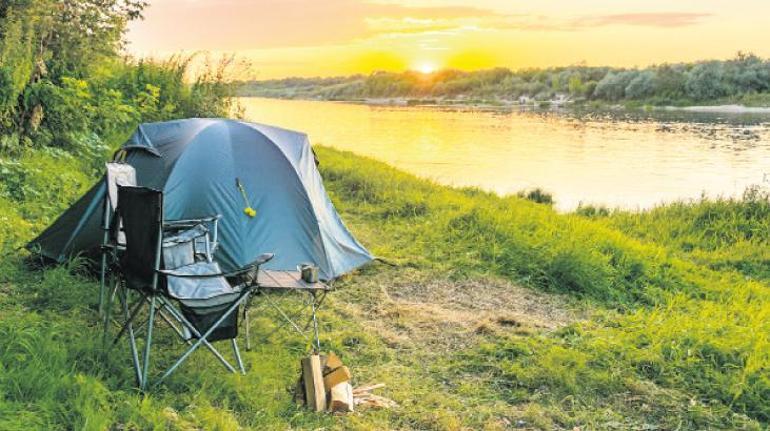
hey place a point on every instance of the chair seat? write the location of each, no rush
(201, 292)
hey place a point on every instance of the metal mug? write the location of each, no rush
(308, 272)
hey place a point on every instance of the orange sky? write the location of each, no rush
(339, 37)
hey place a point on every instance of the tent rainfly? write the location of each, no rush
(216, 166)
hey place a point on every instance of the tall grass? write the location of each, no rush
(697, 329)
(678, 339)
(731, 234)
(470, 231)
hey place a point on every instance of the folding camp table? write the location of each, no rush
(283, 283)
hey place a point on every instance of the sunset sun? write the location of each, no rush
(425, 67)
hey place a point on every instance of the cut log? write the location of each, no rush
(315, 394)
(342, 398)
(341, 374)
(332, 363)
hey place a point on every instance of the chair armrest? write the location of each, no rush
(186, 235)
(186, 222)
(262, 258)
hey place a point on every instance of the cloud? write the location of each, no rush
(241, 24)
(659, 19)
(235, 25)
(545, 23)
(410, 25)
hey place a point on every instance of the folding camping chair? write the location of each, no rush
(123, 174)
(188, 291)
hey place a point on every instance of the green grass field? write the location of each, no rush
(500, 314)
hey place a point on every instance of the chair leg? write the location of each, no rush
(132, 339)
(248, 325)
(102, 276)
(148, 343)
(107, 314)
(177, 315)
(238, 356)
(201, 339)
(163, 306)
(130, 320)
(173, 325)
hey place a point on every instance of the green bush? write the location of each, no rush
(592, 211)
(537, 195)
(77, 92)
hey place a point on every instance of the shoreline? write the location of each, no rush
(402, 102)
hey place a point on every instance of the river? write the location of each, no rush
(632, 161)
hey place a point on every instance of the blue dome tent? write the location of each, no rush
(218, 166)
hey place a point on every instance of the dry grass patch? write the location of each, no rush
(416, 311)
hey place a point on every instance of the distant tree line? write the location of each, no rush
(743, 79)
(64, 81)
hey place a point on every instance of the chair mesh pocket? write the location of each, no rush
(204, 317)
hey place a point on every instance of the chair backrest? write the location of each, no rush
(140, 210)
(118, 174)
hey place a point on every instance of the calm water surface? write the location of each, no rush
(617, 160)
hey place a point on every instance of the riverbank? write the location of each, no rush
(500, 314)
(559, 104)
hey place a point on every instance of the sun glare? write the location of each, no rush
(426, 68)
